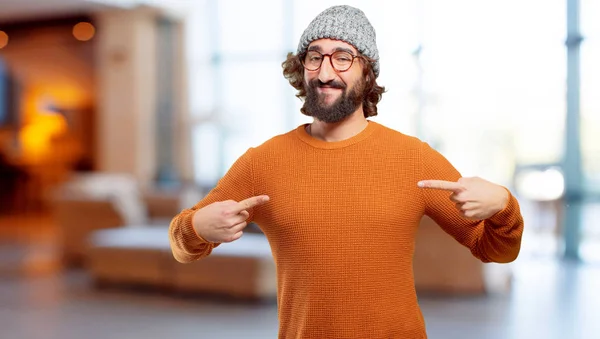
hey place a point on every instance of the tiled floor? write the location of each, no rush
(550, 300)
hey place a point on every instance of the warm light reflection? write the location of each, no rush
(42, 126)
(84, 31)
(3, 39)
(36, 137)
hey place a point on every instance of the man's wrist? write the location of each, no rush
(505, 199)
(194, 227)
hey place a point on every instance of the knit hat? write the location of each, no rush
(343, 23)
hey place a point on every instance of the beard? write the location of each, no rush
(341, 108)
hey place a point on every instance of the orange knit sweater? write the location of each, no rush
(341, 222)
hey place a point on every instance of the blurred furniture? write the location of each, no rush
(96, 201)
(442, 265)
(243, 269)
(130, 256)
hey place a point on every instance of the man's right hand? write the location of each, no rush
(224, 221)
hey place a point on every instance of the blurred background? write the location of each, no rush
(116, 114)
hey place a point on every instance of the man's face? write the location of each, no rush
(332, 95)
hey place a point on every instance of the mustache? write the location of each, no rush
(330, 84)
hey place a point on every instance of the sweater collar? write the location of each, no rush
(317, 143)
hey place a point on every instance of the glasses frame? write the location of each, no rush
(303, 56)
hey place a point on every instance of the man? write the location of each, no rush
(340, 199)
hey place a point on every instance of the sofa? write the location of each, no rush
(140, 256)
(95, 201)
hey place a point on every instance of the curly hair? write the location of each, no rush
(293, 71)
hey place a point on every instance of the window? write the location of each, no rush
(590, 129)
(590, 101)
(238, 95)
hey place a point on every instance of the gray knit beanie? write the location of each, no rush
(344, 23)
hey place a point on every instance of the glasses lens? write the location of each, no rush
(312, 60)
(341, 60)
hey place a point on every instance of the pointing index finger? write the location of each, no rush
(441, 185)
(252, 202)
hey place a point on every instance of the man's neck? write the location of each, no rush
(338, 131)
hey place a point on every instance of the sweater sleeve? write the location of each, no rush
(237, 185)
(496, 239)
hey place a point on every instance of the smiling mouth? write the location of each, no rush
(328, 88)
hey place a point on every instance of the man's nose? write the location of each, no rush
(326, 72)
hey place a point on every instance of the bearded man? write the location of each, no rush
(340, 199)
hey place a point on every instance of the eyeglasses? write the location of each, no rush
(341, 61)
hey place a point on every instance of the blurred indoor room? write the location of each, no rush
(117, 114)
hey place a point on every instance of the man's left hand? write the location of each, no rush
(475, 198)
